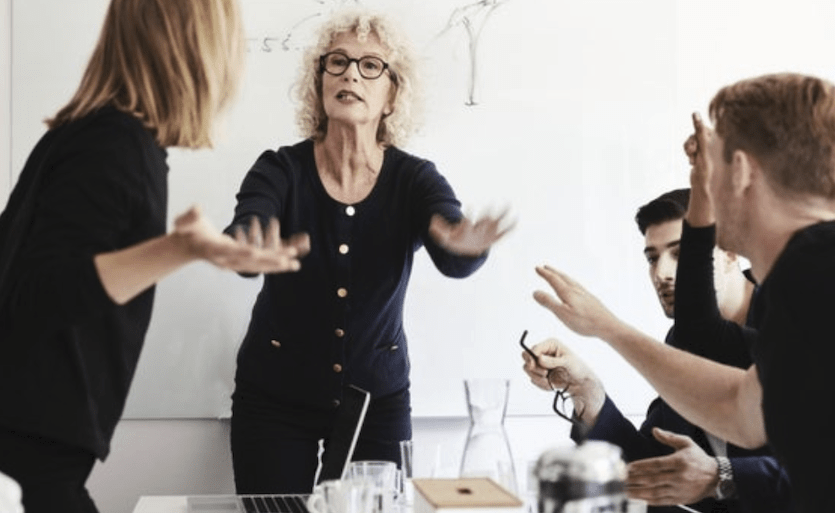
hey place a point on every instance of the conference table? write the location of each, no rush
(161, 504)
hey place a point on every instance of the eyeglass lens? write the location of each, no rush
(337, 63)
(564, 407)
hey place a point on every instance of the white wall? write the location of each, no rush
(191, 456)
(571, 155)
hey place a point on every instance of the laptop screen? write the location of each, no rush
(335, 462)
(346, 431)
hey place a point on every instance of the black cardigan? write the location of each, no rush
(339, 320)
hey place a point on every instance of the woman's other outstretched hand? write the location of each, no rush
(468, 238)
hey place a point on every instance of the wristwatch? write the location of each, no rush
(725, 489)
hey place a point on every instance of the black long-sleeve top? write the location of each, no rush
(339, 320)
(762, 484)
(67, 351)
(699, 326)
(794, 353)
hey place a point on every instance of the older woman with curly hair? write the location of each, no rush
(368, 207)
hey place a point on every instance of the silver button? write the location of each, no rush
(343, 248)
(350, 210)
(339, 332)
(275, 343)
(341, 292)
(337, 368)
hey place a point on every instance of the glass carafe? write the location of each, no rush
(487, 451)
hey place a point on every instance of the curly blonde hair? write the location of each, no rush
(394, 129)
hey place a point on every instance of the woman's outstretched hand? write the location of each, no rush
(468, 238)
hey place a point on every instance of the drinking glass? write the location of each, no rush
(407, 472)
(381, 478)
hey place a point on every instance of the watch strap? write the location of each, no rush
(725, 489)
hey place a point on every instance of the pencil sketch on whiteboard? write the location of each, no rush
(293, 40)
(472, 18)
(261, 44)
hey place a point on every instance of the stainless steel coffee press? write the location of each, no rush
(588, 478)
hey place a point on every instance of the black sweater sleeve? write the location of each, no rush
(699, 326)
(433, 195)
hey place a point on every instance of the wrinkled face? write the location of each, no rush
(661, 251)
(350, 98)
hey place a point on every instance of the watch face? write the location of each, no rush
(726, 488)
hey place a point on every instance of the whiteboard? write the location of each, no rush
(575, 118)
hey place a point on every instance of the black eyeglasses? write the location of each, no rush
(563, 405)
(336, 63)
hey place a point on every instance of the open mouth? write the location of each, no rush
(347, 95)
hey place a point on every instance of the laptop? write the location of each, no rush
(336, 459)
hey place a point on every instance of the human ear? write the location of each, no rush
(744, 169)
(392, 96)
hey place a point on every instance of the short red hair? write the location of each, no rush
(787, 123)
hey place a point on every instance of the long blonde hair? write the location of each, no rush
(174, 64)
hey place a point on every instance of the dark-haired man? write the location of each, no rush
(675, 462)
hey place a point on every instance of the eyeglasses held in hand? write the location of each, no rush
(563, 405)
(528, 349)
(336, 63)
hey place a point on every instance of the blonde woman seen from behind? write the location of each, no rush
(83, 238)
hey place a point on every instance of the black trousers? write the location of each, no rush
(275, 446)
(51, 474)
